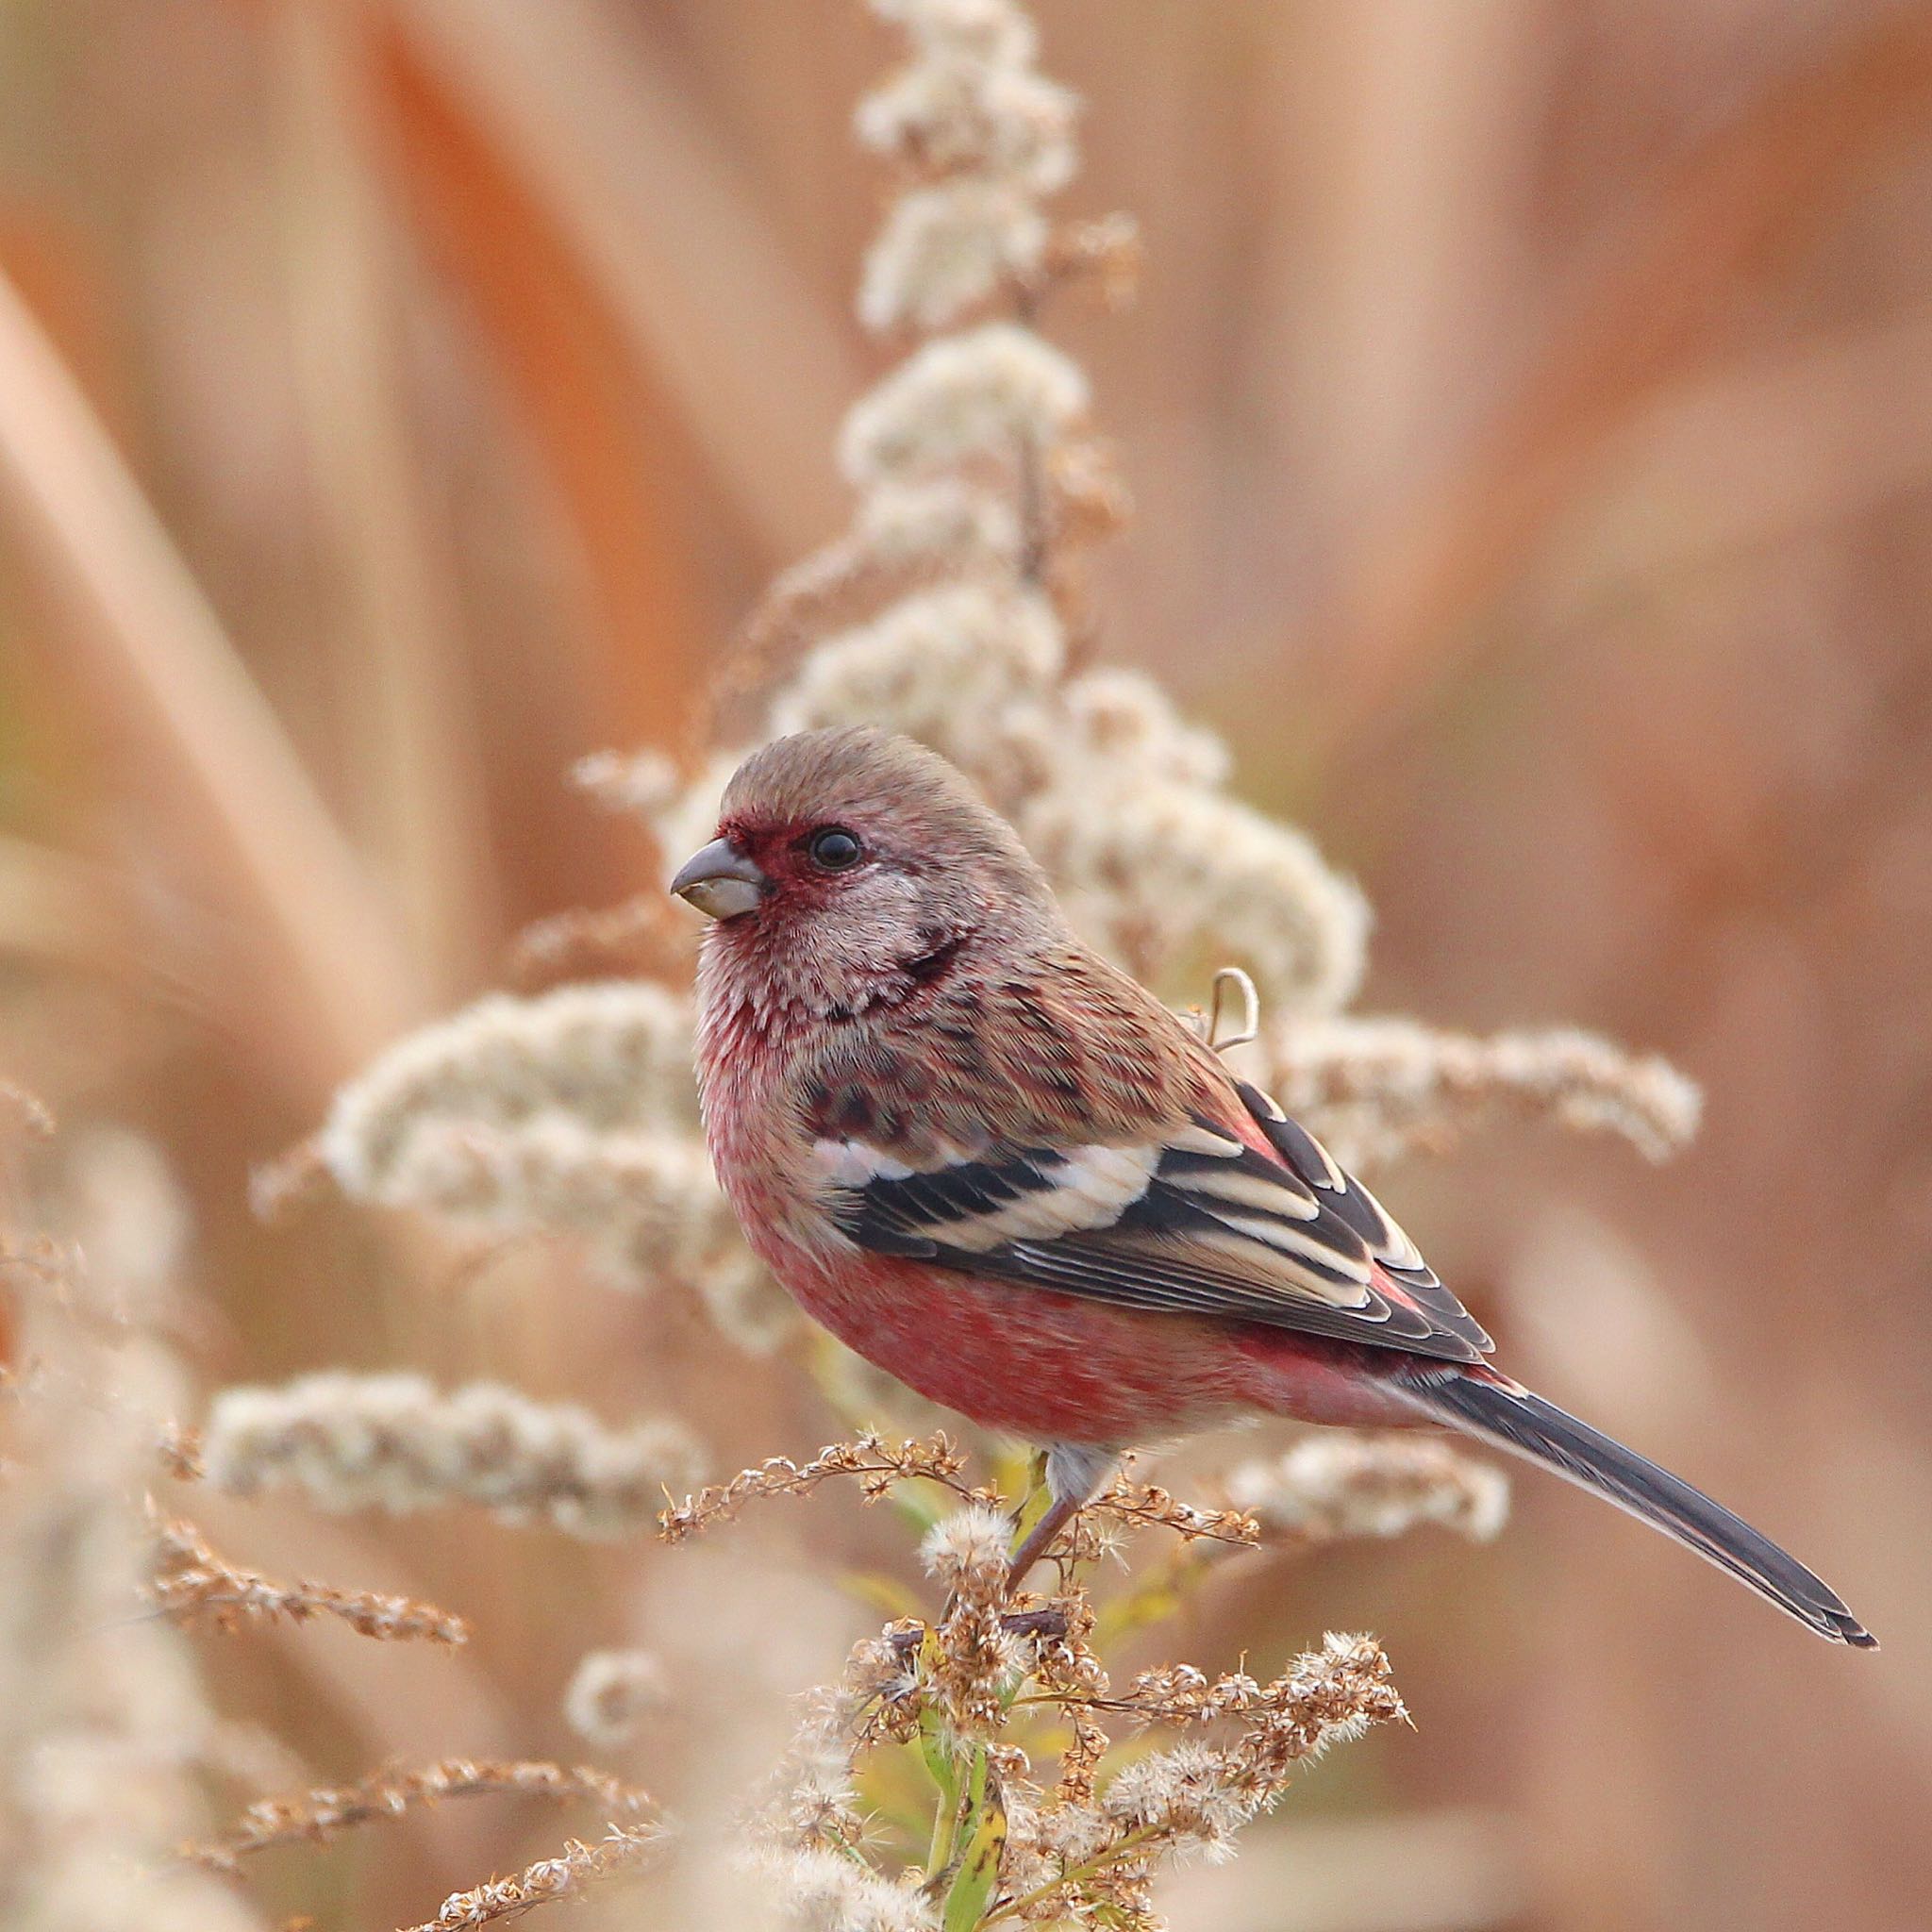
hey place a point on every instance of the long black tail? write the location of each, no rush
(1515, 1419)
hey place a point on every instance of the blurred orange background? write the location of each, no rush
(1529, 409)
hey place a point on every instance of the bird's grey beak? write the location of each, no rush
(719, 881)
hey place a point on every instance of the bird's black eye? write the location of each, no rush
(835, 849)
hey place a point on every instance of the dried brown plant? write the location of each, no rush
(999, 1681)
(877, 1463)
(568, 1874)
(316, 1816)
(105, 1721)
(191, 1582)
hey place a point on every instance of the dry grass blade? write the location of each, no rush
(30, 1110)
(416, 782)
(1646, 301)
(603, 423)
(632, 177)
(173, 682)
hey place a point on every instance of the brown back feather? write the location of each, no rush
(1056, 1047)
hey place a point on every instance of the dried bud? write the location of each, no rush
(611, 1693)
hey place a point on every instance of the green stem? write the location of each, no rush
(945, 1832)
(1072, 1875)
(1034, 1503)
(943, 1769)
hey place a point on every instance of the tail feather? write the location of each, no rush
(1515, 1419)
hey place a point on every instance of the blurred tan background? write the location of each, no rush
(1529, 409)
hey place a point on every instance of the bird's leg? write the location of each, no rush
(1074, 1475)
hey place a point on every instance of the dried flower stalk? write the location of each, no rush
(1378, 1089)
(568, 1875)
(104, 1721)
(1146, 1504)
(877, 1463)
(396, 1442)
(317, 1815)
(191, 1581)
(999, 1677)
(1338, 1485)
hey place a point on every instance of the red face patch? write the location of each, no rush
(784, 854)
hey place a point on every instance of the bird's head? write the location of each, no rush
(853, 864)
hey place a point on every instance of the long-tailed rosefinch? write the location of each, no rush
(999, 1169)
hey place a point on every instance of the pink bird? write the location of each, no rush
(996, 1167)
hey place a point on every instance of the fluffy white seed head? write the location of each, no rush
(1124, 719)
(395, 1443)
(983, 395)
(1177, 881)
(946, 521)
(643, 1199)
(991, 30)
(638, 782)
(1184, 1794)
(1378, 1088)
(947, 248)
(953, 113)
(818, 1889)
(964, 669)
(1339, 1485)
(612, 1055)
(570, 1114)
(968, 1549)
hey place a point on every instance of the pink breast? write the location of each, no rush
(1059, 1368)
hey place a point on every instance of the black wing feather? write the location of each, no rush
(1217, 1229)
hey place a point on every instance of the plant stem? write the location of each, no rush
(1072, 1875)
